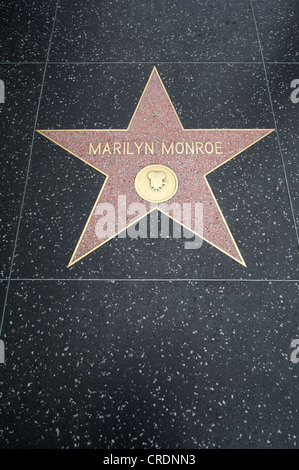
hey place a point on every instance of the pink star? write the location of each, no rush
(154, 130)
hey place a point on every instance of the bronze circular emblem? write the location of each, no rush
(156, 183)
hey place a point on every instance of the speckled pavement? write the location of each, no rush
(142, 343)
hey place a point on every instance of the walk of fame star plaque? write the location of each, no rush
(156, 160)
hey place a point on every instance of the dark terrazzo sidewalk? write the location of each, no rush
(143, 344)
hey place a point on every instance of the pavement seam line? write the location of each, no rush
(275, 124)
(28, 170)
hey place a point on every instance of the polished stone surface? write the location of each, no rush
(278, 24)
(146, 31)
(286, 108)
(25, 29)
(22, 89)
(143, 343)
(169, 365)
